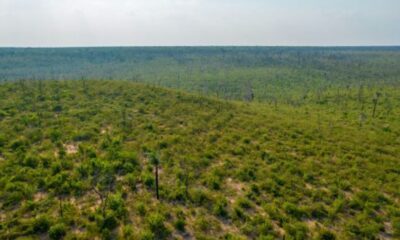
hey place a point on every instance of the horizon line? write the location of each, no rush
(199, 46)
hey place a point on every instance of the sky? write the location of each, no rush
(58, 23)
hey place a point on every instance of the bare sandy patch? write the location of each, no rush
(105, 130)
(309, 186)
(311, 224)
(70, 148)
(3, 216)
(388, 234)
(78, 231)
(39, 196)
(237, 187)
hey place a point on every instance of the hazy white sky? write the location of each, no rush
(199, 22)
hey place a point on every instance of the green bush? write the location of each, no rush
(318, 211)
(294, 211)
(296, 231)
(220, 207)
(199, 197)
(106, 234)
(148, 180)
(177, 194)
(127, 232)
(2, 141)
(3, 114)
(57, 231)
(31, 161)
(258, 226)
(180, 224)
(147, 235)
(243, 203)
(326, 235)
(57, 108)
(109, 221)
(116, 203)
(18, 144)
(128, 157)
(141, 209)
(247, 174)
(203, 224)
(41, 224)
(55, 135)
(239, 214)
(15, 192)
(363, 228)
(266, 237)
(265, 229)
(396, 227)
(83, 135)
(131, 180)
(155, 222)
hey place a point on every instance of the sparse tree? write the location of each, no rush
(62, 188)
(361, 96)
(155, 161)
(375, 102)
(102, 182)
(185, 165)
(362, 118)
(249, 93)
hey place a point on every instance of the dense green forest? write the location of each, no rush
(200, 143)
(79, 159)
(267, 73)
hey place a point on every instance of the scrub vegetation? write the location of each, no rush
(116, 159)
(267, 73)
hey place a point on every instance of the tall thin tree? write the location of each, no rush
(375, 102)
(155, 161)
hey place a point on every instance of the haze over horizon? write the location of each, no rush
(72, 23)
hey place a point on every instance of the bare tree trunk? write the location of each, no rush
(158, 196)
(61, 207)
(187, 185)
(374, 110)
(103, 210)
(102, 201)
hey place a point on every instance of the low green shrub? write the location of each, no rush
(57, 231)
(220, 207)
(180, 224)
(294, 210)
(296, 231)
(155, 222)
(326, 235)
(41, 224)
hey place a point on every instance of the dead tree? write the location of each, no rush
(361, 96)
(375, 102)
(155, 161)
(362, 118)
(102, 183)
(185, 165)
(249, 97)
